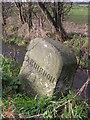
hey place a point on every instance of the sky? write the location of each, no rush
(48, 0)
(80, 0)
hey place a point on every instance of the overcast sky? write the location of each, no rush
(76, 0)
(49, 0)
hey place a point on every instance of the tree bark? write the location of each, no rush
(3, 14)
(18, 5)
(30, 16)
(57, 23)
(46, 13)
(60, 29)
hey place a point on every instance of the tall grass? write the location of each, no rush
(69, 106)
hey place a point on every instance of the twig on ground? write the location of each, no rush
(79, 92)
(37, 116)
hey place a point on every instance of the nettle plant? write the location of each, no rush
(10, 71)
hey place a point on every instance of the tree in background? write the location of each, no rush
(25, 13)
(55, 13)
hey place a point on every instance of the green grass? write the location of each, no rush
(0, 108)
(46, 107)
(18, 41)
(10, 82)
(78, 19)
(77, 10)
(78, 14)
(21, 104)
(74, 44)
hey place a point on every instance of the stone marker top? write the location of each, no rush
(62, 49)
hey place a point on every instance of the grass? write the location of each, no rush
(48, 108)
(77, 10)
(78, 19)
(0, 107)
(80, 11)
(10, 81)
(44, 107)
(75, 44)
(78, 14)
(17, 40)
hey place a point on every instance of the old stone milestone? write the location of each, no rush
(48, 68)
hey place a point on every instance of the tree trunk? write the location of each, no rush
(30, 16)
(18, 5)
(3, 14)
(46, 13)
(60, 32)
(29, 21)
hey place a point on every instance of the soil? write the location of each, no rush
(79, 79)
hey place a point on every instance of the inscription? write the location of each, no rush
(40, 69)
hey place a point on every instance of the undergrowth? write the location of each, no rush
(48, 108)
(10, 81)
(44, 107)
(80, 48)
(17, 41)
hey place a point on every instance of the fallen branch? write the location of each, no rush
(79, 92)
(37, 116)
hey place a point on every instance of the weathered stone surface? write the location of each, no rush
(48, 68)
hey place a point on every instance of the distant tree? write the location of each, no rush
(19, 6)
(25, 12)
(55, 13)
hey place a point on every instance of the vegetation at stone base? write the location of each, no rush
(10, 81)
(42, 107)
(48, 108)
(79, 45)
